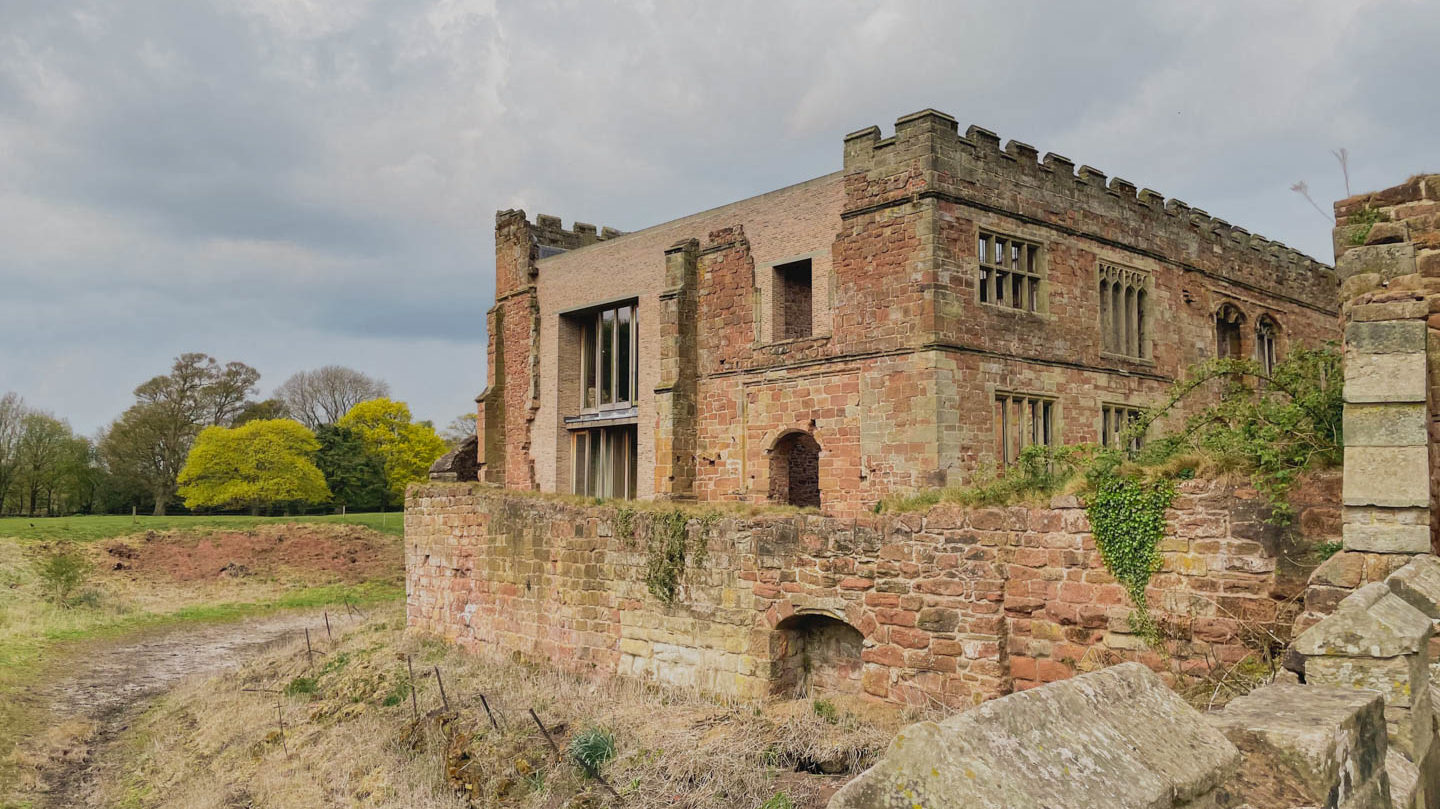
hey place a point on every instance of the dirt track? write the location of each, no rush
(108, 684)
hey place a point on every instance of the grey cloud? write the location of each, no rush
(295, 184)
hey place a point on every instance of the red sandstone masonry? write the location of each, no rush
(955, 605)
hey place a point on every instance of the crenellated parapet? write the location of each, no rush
(929, 157)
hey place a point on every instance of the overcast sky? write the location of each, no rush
(294, 183)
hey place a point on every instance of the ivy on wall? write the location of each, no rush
(669, 550)
(1127, 519)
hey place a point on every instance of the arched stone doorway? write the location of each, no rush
(795, 470)
(817, 654)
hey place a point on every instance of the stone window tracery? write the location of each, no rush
(1115, 419)
(1124, 311)
(1267, 334)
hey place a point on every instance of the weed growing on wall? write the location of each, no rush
(1366, 216)
(665, 554)
(625, 524)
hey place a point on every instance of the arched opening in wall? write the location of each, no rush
(1228, 322)
(1267, 339)
(795, 470)
(817, 654)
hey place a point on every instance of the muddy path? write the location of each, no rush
(107, 684)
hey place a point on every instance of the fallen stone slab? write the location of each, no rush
(1308, 745)
(1115, 738)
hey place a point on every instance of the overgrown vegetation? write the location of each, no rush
(1127, 519)
(1271, 426)
(669, 550)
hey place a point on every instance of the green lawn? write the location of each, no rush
(103, 526)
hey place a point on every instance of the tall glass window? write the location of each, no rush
(608, 358)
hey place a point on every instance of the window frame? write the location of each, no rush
(593, 459)
(1023, 405)
(1116, 417)
(1027, 268)
(593, 358)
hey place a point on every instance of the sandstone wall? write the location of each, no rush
(955, 605)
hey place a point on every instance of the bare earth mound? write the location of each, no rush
(343, 552)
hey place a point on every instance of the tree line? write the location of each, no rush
(199, 437)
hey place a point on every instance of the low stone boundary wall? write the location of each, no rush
(952, 605)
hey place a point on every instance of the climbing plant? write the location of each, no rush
(1127, 519)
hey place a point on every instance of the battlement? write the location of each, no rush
(550, 231)
(927, 153)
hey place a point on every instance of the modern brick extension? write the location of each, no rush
(842, 339)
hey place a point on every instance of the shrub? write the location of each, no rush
(301, 686)
(825, 709)
(592, 748)
(62, 572)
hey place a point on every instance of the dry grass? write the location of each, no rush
(36, 633)
(209, 742)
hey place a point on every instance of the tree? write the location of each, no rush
(41, 454)
(319, 397)
(355, 475)
(201, 389)
(12, 417)
(260, 463)
(460, 428)
(150, 441)
(386, 429)
(255, 411)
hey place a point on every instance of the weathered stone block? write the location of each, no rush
(1384, 378)
(1385, 425)
(1387, 260)
(1371, 622)
(1308, 746)
(1389, 310)
(1386, 337)
(1395, 477)
(1387, 538)
(1418, 583)
(1116, 738)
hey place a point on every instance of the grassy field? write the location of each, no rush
(91, 527)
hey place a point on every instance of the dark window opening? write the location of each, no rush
(1228, 322)
(604, 462)
(816, 654)
(1116, 427)
(793, 303)
(1022, 420)
(1266, 344)
(1009, 272)
(795, 471)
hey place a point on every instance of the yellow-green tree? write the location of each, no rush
(407, 447)
(260, 463)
